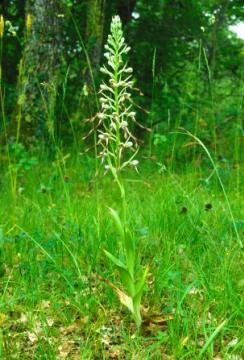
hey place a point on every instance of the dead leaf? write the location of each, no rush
(191, 143)
(70, 329)
(114, 352)
(23, 318)
(37, 327)
(65, 349)
(159, 319)
(45, 304)
(3, 319)
(123, 297)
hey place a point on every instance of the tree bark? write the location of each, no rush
(125, 9)
(94, 30)
(220, 20)
(40, 67)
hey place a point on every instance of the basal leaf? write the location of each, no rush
(115, 260)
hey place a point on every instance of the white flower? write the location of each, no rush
(103, 70)
(113, 125)
(101, 116)
(105, 106)
(20, 190)
(134, 163)
(103, 100)
(103, 87)
(124, 124)
(135, 15)
(111, 64)
(104, 136)
(128, 144)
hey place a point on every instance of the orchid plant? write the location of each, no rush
(118, 151)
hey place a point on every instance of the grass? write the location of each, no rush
(54, 304)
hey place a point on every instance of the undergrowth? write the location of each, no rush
(53, 303)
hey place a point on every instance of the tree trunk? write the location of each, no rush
(39, 68)
(125, 9)
(220, 20)
(94, 31)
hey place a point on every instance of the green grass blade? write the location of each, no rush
(211, 339)
(115, 260)
(118, 223)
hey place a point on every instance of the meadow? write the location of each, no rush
(54, 304)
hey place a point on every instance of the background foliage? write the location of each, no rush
(184, 56)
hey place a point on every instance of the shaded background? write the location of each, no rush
(187, 64)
